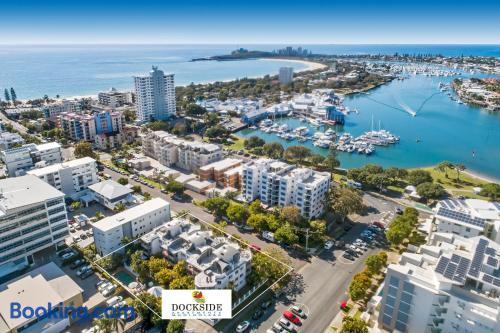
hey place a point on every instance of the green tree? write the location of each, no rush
(146, 196)
(374, 263)
(105, 324)
(258, 221)
(331, 162)
(297, 154)
(359, 286)
(6, 95)
(98, 215)
(272, 266)
(194, 110)
(317, 160)
(164, 277)
(137, 189)
(345, 201)
(142, 305)
(120, 207)
(84, 149)
(253, 142)
(76, 205)
(273, 150)
(182, 282)
(175, 187)
(491, 190)
(139, 266)
(237, 213)
(459, 168)
(318, 229)
(353, 325)
(417, 177)
(292, 215)
(122, 181)
(216, 205)
(175, 326)
(155, 265)
(285, 234)
(430, 190)
(217, 131)
(255, 207)
(13, 95)
(444, 167)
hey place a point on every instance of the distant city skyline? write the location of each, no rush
(238, 22)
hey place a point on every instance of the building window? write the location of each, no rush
(394, 281)
(408, 287)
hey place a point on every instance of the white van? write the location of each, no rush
(269, 236)
(114, 300)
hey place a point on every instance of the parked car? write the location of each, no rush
(86, 274)
(114, 300)
(348, 227)
(243, 326)
(257, 314)
(291, 317)
(255, 247)
(348, 256)
(351, 252)
(399, 211)
(278, 328)
(83, 236)
(68, 255)
(286, 324)
(298, 311)
(328, 245)
(63, 252)
(77, 263)
(379, 224)
(83, 269)
(108, 291)
(101, 283)
(268, 236)
(90, 233)
(266, 304)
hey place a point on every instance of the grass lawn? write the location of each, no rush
(237, 145)
(149, 181)
(357, 315)
(462, 187)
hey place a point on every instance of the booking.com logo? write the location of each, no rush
(80, 313)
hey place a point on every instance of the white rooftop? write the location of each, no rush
(111, 222)
(222, 164)
(47, 283)
(110, 189)
(23, 191)
(48, 145)
(58, 166)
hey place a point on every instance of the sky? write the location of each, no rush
(250, 21)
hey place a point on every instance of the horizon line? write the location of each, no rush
(235, 43)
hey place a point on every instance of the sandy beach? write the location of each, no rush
(311, 66)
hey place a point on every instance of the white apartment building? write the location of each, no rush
(114, 98)
(9, 140)
(19, 160)
(32, 217)
(451, 285)
(286, 75)
(468, 218)
(155, 96)
(214, 261)
(305, 189)
(65, 105)
(277, 183)
(170, 150)
(72, 178)
(133, 222)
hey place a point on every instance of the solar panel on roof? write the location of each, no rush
(492, 262)
(487, 278)
(459, 216)
(496, 282)
(441, 266)
(477, 260)
(455, 258)
(450, 271)
(490, 251)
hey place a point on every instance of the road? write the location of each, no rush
(321, 283)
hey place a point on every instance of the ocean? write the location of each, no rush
(78, 70)
(442, 129)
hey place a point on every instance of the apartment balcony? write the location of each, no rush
(437, 321)
(444, 299)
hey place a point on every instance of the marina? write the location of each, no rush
(442, 128)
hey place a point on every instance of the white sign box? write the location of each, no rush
(196, 304)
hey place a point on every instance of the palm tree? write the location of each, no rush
(105, 325)
(459, 168)
(444, 166)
